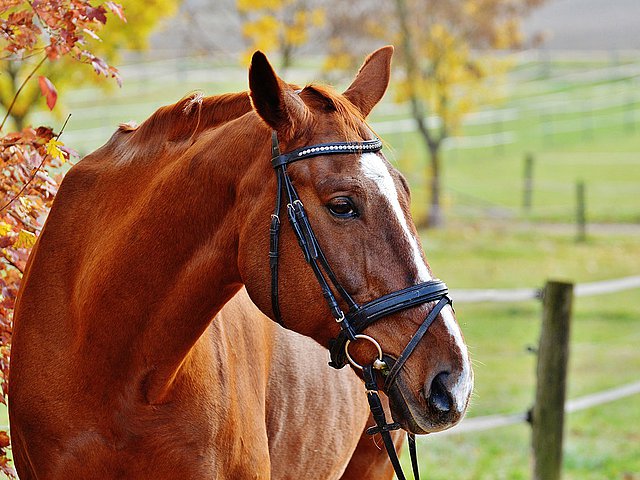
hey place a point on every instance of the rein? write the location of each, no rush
(358, 317)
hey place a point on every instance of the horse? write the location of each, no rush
(125, 363)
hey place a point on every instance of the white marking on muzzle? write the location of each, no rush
(373, 167)
(461, 390)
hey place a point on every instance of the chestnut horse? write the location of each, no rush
(117, 368)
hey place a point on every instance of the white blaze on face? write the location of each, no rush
(374, 168)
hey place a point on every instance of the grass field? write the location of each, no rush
(581, 120)
(602, 442)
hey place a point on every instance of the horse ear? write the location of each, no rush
(371, 81)
(274, 100)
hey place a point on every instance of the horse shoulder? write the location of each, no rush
(315, 414)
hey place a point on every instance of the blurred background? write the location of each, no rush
(517, 124)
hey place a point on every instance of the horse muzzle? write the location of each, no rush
(437, 406)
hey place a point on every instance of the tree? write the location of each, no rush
(443, 48)
(144, 15)
(46, 32)
(444, 52)
(280, 26)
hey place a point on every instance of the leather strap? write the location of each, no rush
(413, 343)
(370, 312)
(334, 148)
(412, 296)
(382, 427)
(411, 441)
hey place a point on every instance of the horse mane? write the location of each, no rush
(177, 124)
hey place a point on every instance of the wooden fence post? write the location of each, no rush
(527, 191)
(581, 212)
(553, 354)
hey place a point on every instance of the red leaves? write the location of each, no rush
(61, 28)
(67, 23)
(96, 13)
(49, 91)
(4, 440)
(116, 9)
(19, 32)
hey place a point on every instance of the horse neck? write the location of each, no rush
(180, 235)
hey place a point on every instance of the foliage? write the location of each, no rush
(144, 15)
(49, 30)
(443, 67)
(442, 44)
(278, 25)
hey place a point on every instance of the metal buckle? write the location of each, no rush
(377, 361)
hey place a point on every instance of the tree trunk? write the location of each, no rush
(19, 119)
(435, 217)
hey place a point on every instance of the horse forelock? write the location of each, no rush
(350, 124)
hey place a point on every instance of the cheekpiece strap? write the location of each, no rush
(275, 146)
(413, 343)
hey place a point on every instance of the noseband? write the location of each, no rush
(358, 317)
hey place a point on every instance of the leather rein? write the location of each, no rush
(358, 317)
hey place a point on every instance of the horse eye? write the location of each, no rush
(342, 207)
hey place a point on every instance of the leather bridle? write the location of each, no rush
(358, 317)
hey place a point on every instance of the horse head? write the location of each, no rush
(357, 207)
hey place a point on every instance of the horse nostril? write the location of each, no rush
(439, 397)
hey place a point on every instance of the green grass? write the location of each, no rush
(602, 442)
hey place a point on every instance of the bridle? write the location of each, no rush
(358, 317)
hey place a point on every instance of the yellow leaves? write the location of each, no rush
(53, 149)
(508, 34)
(263, 31)
(5, 229)
(338, 61)
(315, 17)
(283, 25)
(25, 239)
(470, 7)
(262, 34)
(246, 6)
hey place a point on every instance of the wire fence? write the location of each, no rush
(523, 294)
(488, 422)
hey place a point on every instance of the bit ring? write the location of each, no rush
(362, 337)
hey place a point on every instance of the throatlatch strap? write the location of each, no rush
(411, 441)
(382, 427)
